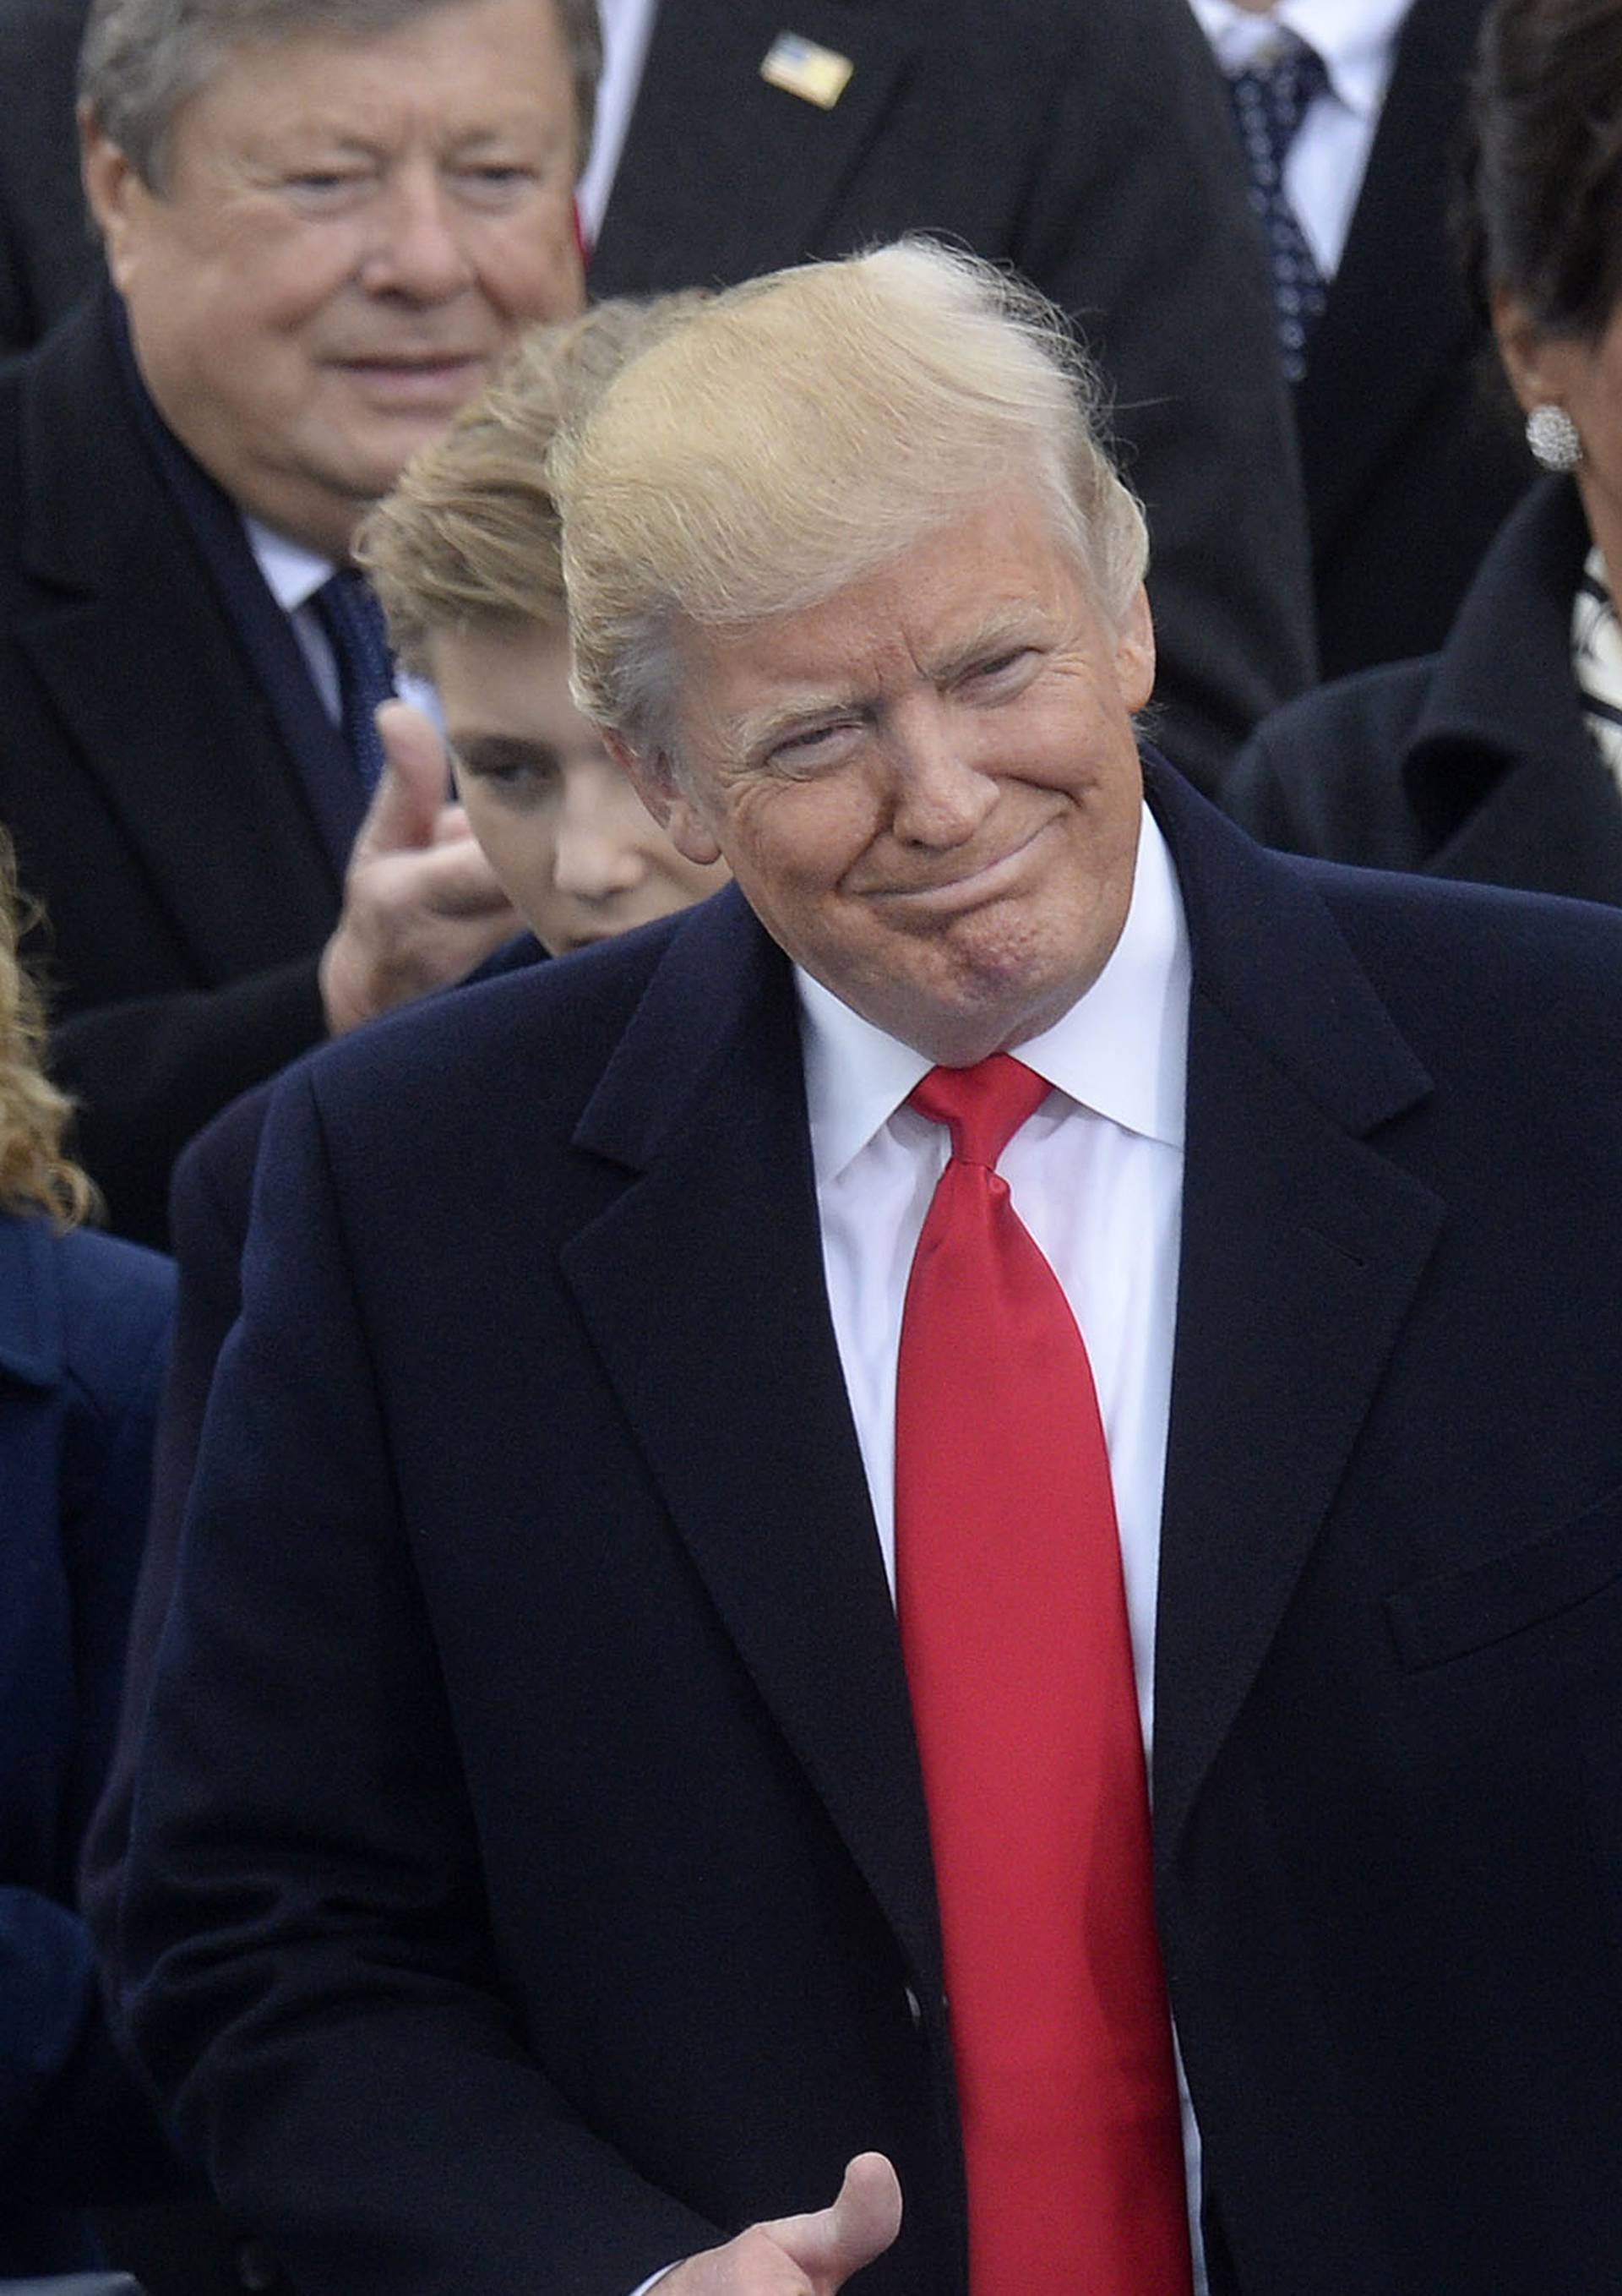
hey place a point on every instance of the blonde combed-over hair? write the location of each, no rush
(35, 1173)
(805, 428)
(468, 537)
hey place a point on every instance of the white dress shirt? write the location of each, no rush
(627, 26)
(1097, 1176)
(1358, 41)
(293, 575)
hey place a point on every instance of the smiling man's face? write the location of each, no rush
(349, 233)
(926, 786)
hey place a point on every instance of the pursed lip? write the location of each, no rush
(967, 887)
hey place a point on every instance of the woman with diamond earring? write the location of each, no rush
(1500, 757)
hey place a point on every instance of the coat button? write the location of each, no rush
(914, 2008)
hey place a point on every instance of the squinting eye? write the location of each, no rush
(318, 184)
(1000, 664)
(498, 180)
(804, 750)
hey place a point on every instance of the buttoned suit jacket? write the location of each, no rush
(1086, 143)
(577, 1907)
(1409, 468)
(148, 782)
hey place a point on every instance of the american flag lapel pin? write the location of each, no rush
(798, 66)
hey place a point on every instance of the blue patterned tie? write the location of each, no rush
(353, 621)
(1271, 98)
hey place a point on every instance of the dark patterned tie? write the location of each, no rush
(1270, 96)
(353, 621)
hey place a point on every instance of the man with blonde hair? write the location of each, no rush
(767, 1439)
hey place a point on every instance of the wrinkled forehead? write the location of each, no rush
(994, 578)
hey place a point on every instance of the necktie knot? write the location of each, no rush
(984, 1106)
(1272, 96)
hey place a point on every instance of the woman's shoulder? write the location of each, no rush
(77, 1302)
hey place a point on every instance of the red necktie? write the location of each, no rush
(1013, 1625)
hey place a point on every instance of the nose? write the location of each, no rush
(593, 856)
(419, 251)
(941, 794)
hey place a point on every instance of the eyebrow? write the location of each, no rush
(483, 753)
(1004, 631)
(1019, 624)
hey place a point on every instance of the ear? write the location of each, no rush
(653, 778)
(1135, 651)
(1534, 361)
(111, 187)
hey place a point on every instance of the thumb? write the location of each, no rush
(406, 803)
(832, 2244)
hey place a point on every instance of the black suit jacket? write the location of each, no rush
(1409, 468)
(48, 252)
(1087, 143)
(574, 1906)
(148, 781)
(1475, 762)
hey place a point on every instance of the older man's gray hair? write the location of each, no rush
(142, 59)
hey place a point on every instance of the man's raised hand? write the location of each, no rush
(421, 905)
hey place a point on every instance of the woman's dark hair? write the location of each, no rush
(1541, 205)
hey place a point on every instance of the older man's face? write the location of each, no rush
(928, 786)
(351, 231)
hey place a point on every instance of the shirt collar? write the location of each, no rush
(293, 573)
(1356, 38)
(1121, 1050)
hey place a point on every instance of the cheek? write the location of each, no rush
(800, 841)
(521, 847)
(529, 268)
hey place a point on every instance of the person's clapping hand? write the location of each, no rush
(421, 905)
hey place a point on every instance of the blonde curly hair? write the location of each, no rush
(34, 1174)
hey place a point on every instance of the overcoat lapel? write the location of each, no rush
(705, 118)
(1500, 768)
(144, 671)
(728, 1371)
(1302, 1246)
(1550, 822)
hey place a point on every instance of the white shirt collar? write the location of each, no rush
(627, 28)
(1121, 1050)
(293, 573)
(1357, 40)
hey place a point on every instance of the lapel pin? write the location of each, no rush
(800, 68)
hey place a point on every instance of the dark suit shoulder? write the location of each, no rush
(1323, 775)
(546, 1027)
(1486, 965)
(115, 1294)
